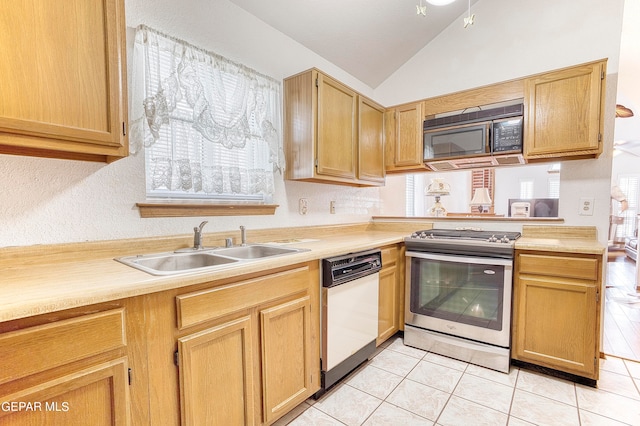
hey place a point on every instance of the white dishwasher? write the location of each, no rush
(349, 313)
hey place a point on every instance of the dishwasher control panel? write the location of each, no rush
(342, 269)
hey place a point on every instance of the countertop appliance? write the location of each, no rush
(349, 313)
(458, 294)
(480, 135)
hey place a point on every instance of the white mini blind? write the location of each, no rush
(630, 186)
(210, 127)
(484, 178)
(553, 186)
(410, 195)
(526, 188)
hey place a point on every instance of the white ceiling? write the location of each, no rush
(369, 39)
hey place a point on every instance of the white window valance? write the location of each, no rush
(209, 127)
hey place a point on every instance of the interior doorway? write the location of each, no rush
(622, 300)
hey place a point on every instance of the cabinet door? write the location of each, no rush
(337, 130)
(390, 135)
(563, 111)
(98, 395)
(286, 356)
(216, 375)
(409, 120)
(371, 141)
(388, 304)
(63, 79)
(556, 324)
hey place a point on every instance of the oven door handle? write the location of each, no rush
(461, 259)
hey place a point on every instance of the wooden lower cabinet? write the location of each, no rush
(216, 375)
(246, 352)
(98, 395)
(287, 356)
(557, 311)
(238, 351)
(391, 293)
(69, 368)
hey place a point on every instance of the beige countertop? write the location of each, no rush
(40, 281)
(576, 245)
(563, 239)
(34, 289)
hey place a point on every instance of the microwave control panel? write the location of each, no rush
(507, 135)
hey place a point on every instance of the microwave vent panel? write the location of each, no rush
(476, 164)
(441, 166)
(509, 160)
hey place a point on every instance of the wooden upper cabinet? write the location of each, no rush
(404, 140)
(331, 133)
(63, 86)
(564, 112)
(337, 129)
(371, 142)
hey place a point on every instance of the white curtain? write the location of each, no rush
(209, 127)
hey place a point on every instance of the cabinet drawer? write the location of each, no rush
(200, 306)
(39, 348)
(559, 266)
(389, 255)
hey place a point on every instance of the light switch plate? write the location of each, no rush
(586, 206)
(303, 206)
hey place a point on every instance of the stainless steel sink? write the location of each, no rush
(181, 262)
(174, 263)
(256, 251)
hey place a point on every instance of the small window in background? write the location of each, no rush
(630, 186)
(484, 178)
(526, 188)
(410, 188)
(210, 127)
(553, 187)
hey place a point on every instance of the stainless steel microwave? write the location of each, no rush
(465, 137)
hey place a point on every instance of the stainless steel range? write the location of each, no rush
(458, 294)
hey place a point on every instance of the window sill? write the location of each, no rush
(189, 208)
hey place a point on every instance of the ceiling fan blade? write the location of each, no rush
(623, 112)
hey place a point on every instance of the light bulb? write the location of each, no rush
(439, 2)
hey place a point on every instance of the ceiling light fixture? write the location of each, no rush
(421, 9)
(469, 19)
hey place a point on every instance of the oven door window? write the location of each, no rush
(456, 291)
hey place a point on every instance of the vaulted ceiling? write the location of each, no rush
(369, 39)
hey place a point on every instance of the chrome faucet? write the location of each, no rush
(197, 236)
(243, 236)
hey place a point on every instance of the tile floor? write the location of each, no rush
(402, 386)
(622, 311)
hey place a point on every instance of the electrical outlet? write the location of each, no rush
(586, 206)
(303, 206)
(332, 207)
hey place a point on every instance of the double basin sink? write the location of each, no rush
(197, 260)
